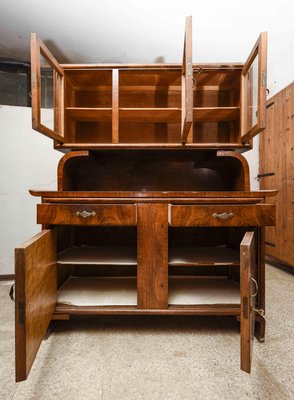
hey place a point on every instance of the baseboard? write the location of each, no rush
(276, 263)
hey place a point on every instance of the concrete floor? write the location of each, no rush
(156, 358)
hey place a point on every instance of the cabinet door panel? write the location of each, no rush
(47, 91)
(35, 297)
(248, 293)
(253, 90)
(187, 85)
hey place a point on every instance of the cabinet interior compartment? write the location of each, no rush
(150, 88)
(150, 106)
(147, 170)
(88, 88)
(97, 266)
(88, 106)
(216, 102)
(147, 104)
(150, 132)
(204, 265)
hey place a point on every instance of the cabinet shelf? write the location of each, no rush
(169, 115)
(204, 256)
(178, 256)
(89, 114)
(215, 114)
(122, 291)
(92, 255)
(166, 115)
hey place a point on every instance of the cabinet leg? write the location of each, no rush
(260, 328)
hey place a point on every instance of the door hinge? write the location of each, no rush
(189, 67)
(265, 175)
(21, 312)
(245, 307)
(270, 244)
(34, 79)
(263, 79)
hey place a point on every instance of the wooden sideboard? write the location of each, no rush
(153, 213)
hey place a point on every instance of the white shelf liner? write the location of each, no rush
(91, 255)
(203, 290)
(122, 291)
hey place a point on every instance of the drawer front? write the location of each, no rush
(87, 214)
(225, 215)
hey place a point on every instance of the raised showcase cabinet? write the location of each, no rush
(153, 212)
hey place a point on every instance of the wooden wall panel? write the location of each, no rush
(277, 156)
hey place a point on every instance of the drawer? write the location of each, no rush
(222, 215)
(87, 214)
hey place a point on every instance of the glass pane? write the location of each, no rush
(47, 98)
(251, 85)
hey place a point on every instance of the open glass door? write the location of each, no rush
(35, 297)
(47, 91)
(187, 85)
(253, 90)
(248, 293)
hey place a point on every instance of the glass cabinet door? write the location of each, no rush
(253, 90)
(187, 86)
(47, 91)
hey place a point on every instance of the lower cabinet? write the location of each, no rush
(148, 267)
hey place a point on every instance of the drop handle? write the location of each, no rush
(223, 215)
(85, 214)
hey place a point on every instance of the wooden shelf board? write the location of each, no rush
(215, 114)
(173, 115)
(179, 256)
(65, 310)
(157, 146)
(204, 256)
(89, 114)
(157, 194)
(164, 115)
(122, 291)
(92, 255)
(150, 88)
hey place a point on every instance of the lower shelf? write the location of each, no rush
(122, 291)
(178, 256)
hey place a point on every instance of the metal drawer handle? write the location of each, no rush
(85, 214)
(224, 215)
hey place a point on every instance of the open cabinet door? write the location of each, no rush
(248, 293)
(35, 297)
(187, 85)
(47, 91)
(253, 90)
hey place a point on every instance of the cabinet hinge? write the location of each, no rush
(21, 312)
(265, 175)
(189, 67)
(245, 307)
(263, 79)
(34, 79)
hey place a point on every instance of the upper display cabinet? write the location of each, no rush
(188, 105)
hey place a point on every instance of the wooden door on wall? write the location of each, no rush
(276, 151)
